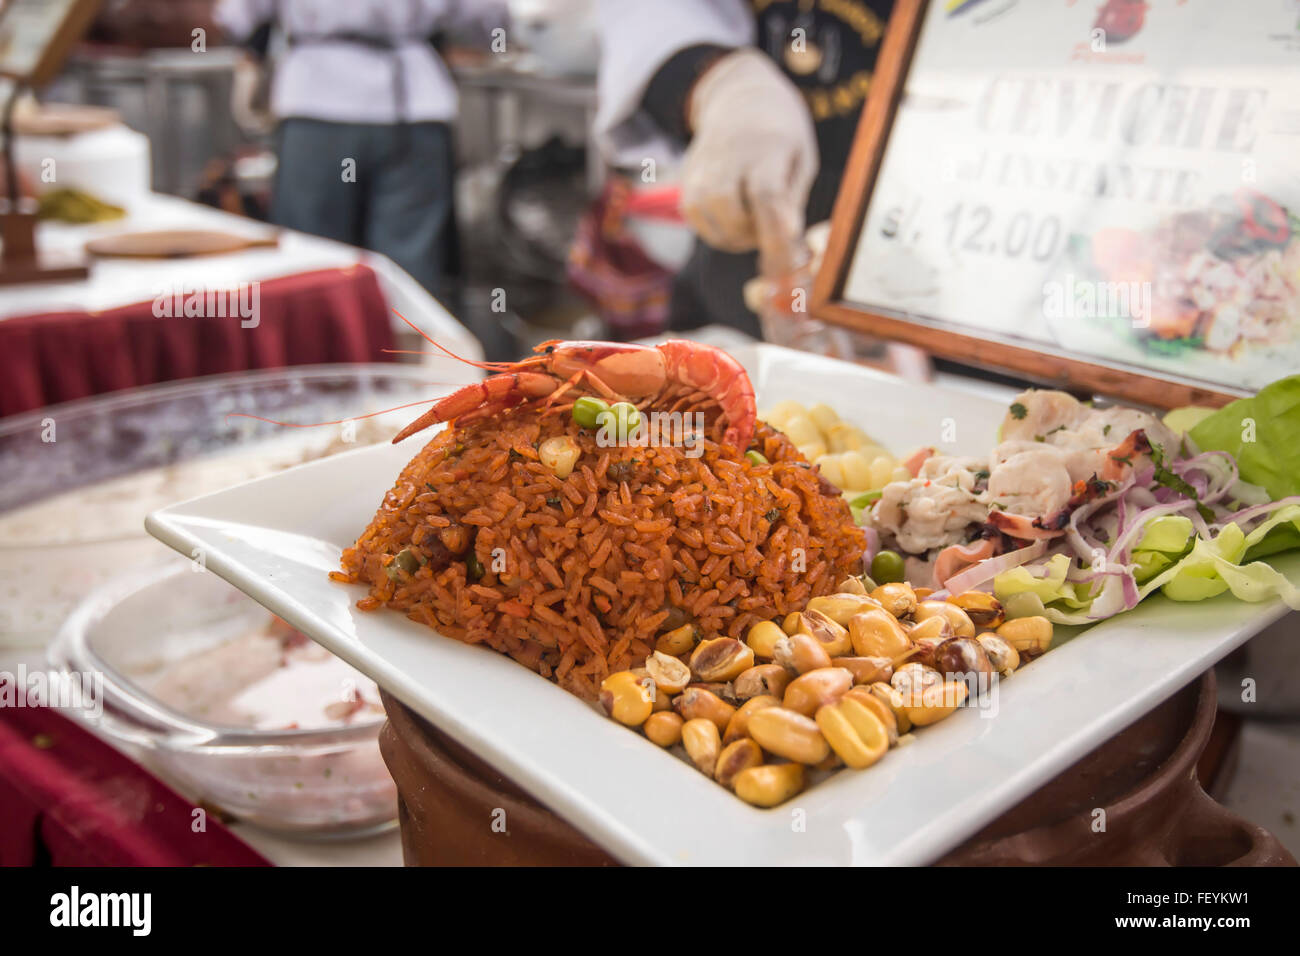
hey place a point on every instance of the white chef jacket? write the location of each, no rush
(326, 76)
(639, 36)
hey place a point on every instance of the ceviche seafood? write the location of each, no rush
(1089, 510)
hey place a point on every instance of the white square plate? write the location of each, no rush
(277, 538)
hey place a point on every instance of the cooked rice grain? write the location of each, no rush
(578, 575)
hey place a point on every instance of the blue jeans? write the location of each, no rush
(387, 188)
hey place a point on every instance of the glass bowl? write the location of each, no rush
(217, 696)
(79, 478)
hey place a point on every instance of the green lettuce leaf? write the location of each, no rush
(1262, 433)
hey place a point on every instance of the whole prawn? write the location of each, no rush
(618, 371)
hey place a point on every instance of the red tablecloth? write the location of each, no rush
(333, 315)
(69, 799)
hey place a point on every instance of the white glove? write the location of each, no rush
(752, 158)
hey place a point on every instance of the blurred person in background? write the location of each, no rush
(759, 100)
(364, 105)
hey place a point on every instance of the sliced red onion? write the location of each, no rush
(990, 568)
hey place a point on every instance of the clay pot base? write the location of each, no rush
(456, 810)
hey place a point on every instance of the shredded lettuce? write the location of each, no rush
(1171, 557)
(1262, 433)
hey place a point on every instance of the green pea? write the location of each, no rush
(755, 458)
(887, 567)
(473, 566)
(626, 419)
(586, 410)
(1024, 604)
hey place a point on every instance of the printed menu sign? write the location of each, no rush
(36, 34)
(1112, 181)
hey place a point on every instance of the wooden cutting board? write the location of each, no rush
(176, 244)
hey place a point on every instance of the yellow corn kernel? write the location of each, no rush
(877, 633)
(782, 412)
(981, 607)
(816, 689)
(678, 641)
(824, 417)
(866, 670)
(762, 638)
(892, 699)
(627, 698)
(697, 703)
(769, 785)
(721, 659)
(856, 469)
(702, 743)
(831, 469)
(897, 598)
(801, 653)
(833, 638)
(788, 734)
(760, 680)
(801, 430)
(937, 702)
(1030, 636)
(962, 625)
(669, 674)
(877, 706)
(664, 728)
(854, 732)
(737, 757)
(841, 607)
(738, 726)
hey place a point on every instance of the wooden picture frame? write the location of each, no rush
(61, 23)
(1158, 388)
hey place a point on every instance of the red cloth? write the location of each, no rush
(69, 799)
(332, 315)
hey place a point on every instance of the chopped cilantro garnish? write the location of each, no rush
(1018, 410)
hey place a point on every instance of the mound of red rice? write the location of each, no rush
(575, 578)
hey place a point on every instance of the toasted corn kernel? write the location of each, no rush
(762, 679)
(854, 732)
(737, 757)
(936, 703)
(925, 649)
(816, 689)
(1030, 636)
(664, 728)
(898, 599)
(851, 585)
(840, 607)
(963, 658)
(877, 633)
(962, 626)
(800, 653)
(877, 706)
(680, 640)
(702, 743)
(663, 701)
(721, 659)
(770, 784)
(788, 734)
(910, 679)
(1004, 658)
(892, 699)
(669, 674)
(833, 637)
(727, 691)
(790, 623)
(695, 703)
(931, 627)
(627, 698)
(923, 593)
(762, 638)
(981, 607)
(738, 726)
(866, 670)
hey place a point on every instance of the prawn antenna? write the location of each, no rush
(352, 418)
(491, 366)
